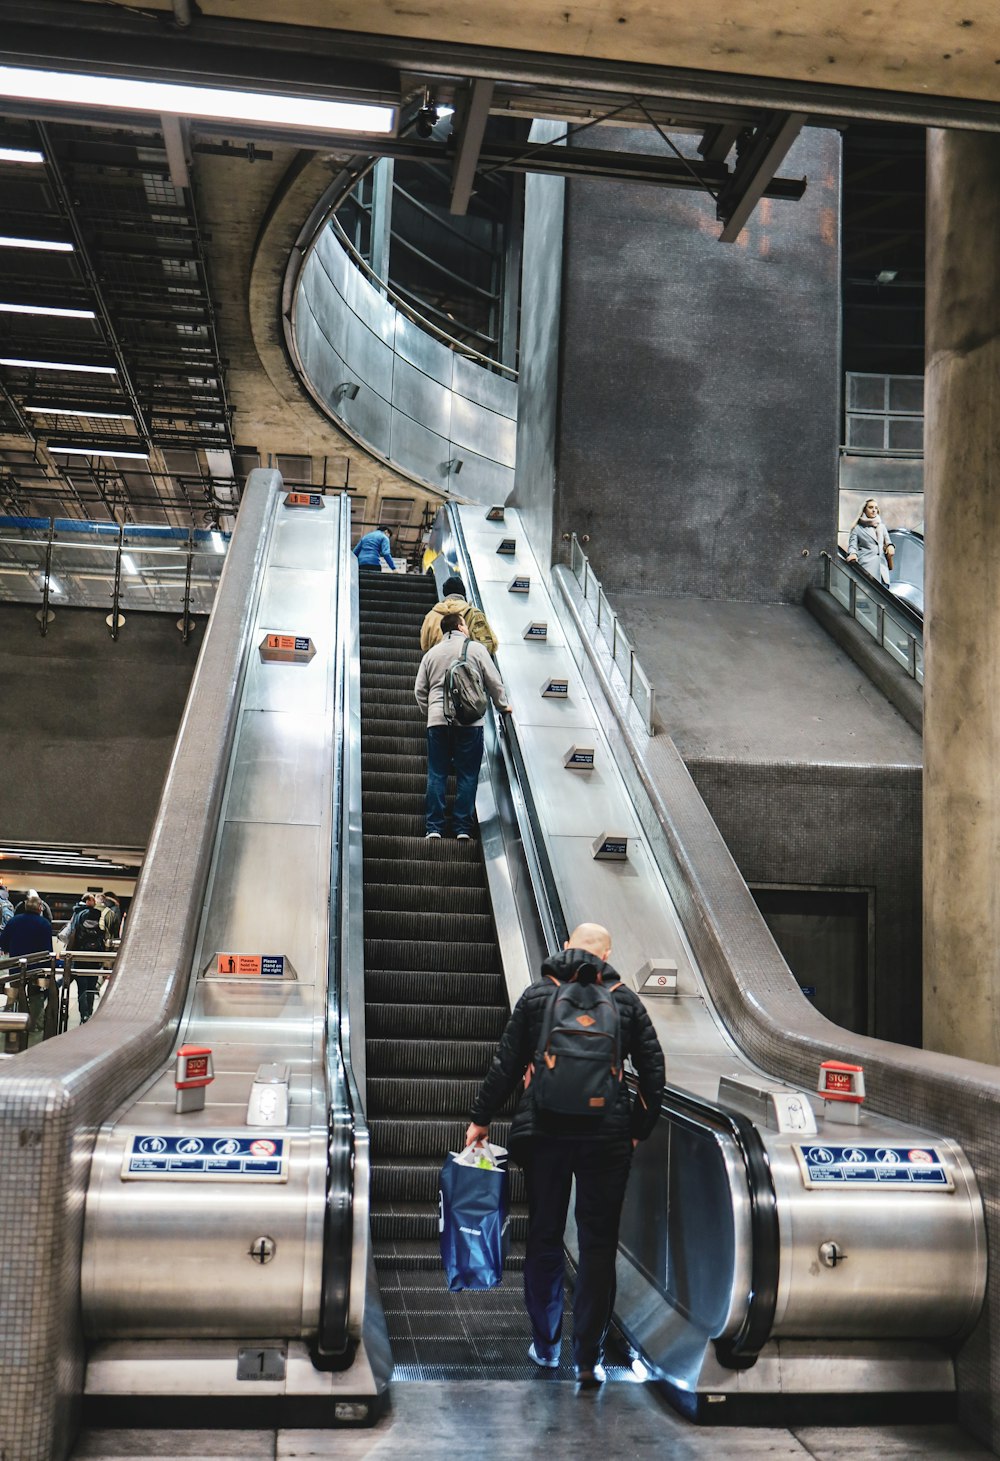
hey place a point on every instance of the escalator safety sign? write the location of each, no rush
(855, 1165)
(206, 1156)
(287, 648)
(268, 966)
(303, 499)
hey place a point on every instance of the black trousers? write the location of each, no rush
(601, 1170)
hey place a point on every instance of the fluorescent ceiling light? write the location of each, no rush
(121, 93)
(80, 411)
(20, 154)
(128, 563)
(19, 364)
(44, 309)
(52, 245)
(217, 542)
(96, 451)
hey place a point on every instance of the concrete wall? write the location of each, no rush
(87, 725)
(538, 384)
(835, 827)
(697, 423)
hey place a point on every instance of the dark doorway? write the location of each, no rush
(824, 935)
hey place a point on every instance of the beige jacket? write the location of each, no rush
(429, 686)
(475, 621)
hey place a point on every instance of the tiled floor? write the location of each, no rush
(514, 1421)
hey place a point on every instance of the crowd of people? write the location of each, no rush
(27, 927)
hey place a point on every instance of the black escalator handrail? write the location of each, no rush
(338, 1279)
(697, 1114)
(543, 879)
(876, 589)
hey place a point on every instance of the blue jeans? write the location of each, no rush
(86, 988)
(460, 746)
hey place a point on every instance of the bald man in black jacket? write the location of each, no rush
(553, 1149)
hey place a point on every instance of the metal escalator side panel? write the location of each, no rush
(914, 1263)
(700, 1226)
(345, 1308)
(266, 891)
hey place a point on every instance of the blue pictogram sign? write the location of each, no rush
(873, 1166)
(257, 1158)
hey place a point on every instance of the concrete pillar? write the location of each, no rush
(962, 597)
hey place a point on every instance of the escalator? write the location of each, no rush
(435, 1005)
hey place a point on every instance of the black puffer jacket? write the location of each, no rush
(520, 1041)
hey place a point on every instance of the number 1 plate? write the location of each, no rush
(260, 1364)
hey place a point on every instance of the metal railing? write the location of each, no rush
(623, 656)
(406, 308)
(140, 567)
(891, 623)
(51, 976)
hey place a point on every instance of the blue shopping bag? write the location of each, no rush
(473, 1217)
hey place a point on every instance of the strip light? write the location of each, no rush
(17, 363)
(124, 94)
(128, 564)
(96, 451)
(20, 154)
(45, 309)
(79, 411)
(49, 245)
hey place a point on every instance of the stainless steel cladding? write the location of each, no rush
(176, 1259)
(914, 1262)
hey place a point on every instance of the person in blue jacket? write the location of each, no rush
(28, 933)
(371, 549)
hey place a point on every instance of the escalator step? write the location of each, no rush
(402, 762)
(468, 928)
(413, 855)
(437, 869)
(418, 1182)
(398, 1096)
(379, 681)
(420, 988)
(409, 1222)
(394, 1138)
(416, 897)
(405, 741)
(427, 1021)
(406, 1256)
(387, 953)
(394, 783)
(395, 1057)
(402, 803)
(394, 824)
(379, 645)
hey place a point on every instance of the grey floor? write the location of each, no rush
(507, 1421)
(761, 681)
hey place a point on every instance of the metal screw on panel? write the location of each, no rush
(831, 1254)
(262, 1249)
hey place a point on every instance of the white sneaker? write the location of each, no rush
(464, 837)
(549, 1364)
(428, 836)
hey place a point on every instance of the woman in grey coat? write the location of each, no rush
(869, 545)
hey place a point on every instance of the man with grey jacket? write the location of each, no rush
(448, 743)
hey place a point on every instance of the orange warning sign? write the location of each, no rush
(272, 965)
(303, 499)
(281, 641)
(238, 964)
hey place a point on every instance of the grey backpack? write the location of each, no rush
(465, 700)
